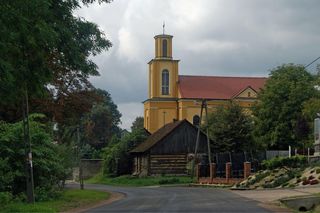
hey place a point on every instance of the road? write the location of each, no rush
(176, 199)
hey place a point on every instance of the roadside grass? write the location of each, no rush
(128, 180)
(71, 198)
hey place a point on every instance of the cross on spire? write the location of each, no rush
(163, 27)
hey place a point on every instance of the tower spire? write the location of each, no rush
(163, 27)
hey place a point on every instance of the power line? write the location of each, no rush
(312, 62)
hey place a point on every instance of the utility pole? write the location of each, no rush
(80, 161)
(27, 148)
(207, 132)
(203, 106)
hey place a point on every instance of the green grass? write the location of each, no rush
(128, 180)
(71, 198)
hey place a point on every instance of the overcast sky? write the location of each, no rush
(211, 37)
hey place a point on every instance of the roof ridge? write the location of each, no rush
(158, 136)
(217, 76)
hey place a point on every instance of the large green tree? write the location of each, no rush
(42, 42)
(279, 121)
(137, 123)
(101, 123)
(230, 129)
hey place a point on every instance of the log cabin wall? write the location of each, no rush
(168, 164)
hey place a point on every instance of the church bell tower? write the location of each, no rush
(161, 107)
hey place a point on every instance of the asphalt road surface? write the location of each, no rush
(176, 199)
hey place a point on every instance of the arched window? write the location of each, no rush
(196, 120)
(164, 48)
(165, 82)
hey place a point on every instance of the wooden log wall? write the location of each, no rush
(168, 164)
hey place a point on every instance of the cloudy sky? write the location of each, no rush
(211, 37)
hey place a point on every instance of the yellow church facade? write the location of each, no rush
(176, 97)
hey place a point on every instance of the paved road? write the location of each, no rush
(177, 199)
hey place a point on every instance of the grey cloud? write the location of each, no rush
(211, 37)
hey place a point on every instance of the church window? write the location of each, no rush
(164, 48)
(165, 82)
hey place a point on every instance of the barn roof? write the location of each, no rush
(217, 87)
(158, 136)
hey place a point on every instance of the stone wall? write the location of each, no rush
(90, 167)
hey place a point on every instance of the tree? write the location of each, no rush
(39, 40)
(278, 112)
(42, 39)
(101, 123)
(138, 123)
(230, 129)
(311, 108)
(48, 161)
(116, 157)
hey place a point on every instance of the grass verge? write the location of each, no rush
(71, 198)
(128, 180)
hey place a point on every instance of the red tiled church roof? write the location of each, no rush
(217, 87)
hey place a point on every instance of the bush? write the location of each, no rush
(291, 185)
(48, 163)
(5, 198)
(47, 193)
(281, 181)
(279, 162)
(258, 177)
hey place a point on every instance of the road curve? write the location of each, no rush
(176, 199)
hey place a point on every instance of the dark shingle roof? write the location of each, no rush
(157, 136)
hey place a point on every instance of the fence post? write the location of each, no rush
(228, 171)
(212, 171)
(81, 175)
(246, 169)
(198, 172)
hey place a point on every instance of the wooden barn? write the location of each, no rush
(169, 150)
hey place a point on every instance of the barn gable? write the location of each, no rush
(178, 137)
(181, 141)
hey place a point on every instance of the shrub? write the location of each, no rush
(291, 185)
(48, 163)
(292, 162)
(317, 170)
(281, 181)
(258, 177)
(5, 198)
(47, 193)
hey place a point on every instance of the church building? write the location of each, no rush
(177, 97)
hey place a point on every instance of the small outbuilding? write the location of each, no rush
(169, 151)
